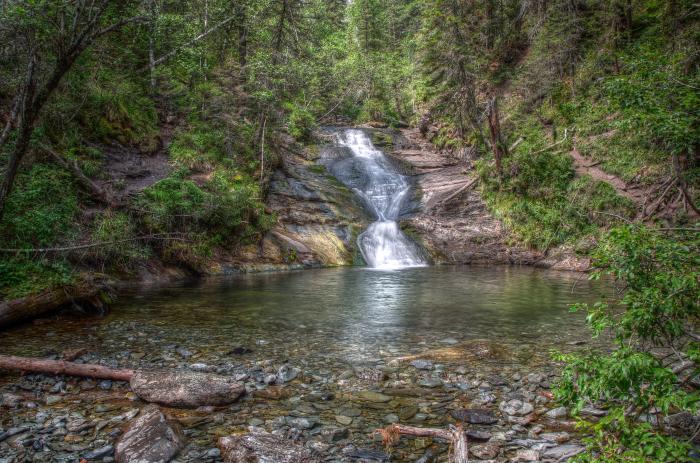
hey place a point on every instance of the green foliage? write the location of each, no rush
(117, 227)
(658, 307)
(198, 148)
(31, 219)
(23, 275)
(618, 439)
(300, 121)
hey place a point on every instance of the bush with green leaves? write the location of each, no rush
(300, 121)
(657, 279)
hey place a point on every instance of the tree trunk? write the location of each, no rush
(36, 305)
(62, 367)
(495, 129)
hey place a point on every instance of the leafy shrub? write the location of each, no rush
(41, 209)
(22, 275)
(198, 147)
(659, 279)
(300, 121)
(115, 227)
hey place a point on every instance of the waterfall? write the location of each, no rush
(384, 190)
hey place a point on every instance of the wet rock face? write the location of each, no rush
(318, 218)
(262, 447)
(187, 389)
(150, 438)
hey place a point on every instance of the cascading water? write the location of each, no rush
(384, 190)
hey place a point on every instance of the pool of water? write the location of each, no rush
(346, 331)
(334, 315)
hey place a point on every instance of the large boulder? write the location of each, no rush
(261, 447)
(186, 388)
(150, 438)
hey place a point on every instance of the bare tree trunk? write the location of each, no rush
(34, 101)
(495, 129)
(62, 367)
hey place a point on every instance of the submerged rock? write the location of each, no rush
(185, 388)
(150, 438)
(372, 396)
(474, 416)
(421, 364)
(262, 447)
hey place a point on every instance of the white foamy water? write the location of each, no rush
(383, 245)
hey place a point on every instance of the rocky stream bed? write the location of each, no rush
(327, 357)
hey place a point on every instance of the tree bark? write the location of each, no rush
(495, 129)
(62, 367)
(33, 306)
(454, 434)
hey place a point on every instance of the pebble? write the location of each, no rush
(422, 364)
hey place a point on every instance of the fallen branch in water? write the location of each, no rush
(171, 388)
(63, 367)
(454, 434)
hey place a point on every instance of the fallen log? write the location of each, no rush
(455, 435)
(172, 388)
(63, 367)
(36, 305)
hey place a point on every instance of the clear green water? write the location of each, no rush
(345, 315)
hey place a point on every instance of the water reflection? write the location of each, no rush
(347, 314)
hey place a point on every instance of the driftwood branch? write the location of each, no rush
(172, 388)
(62, 367)
(454, 434)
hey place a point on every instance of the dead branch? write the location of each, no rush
(196, 39)
(164, 237)
(566, 132)
(72, 166)
(454, 434)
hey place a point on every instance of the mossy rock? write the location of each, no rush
(382, 139)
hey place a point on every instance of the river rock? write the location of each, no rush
(486, 451)
(185, 388)
(516, 407)
(333, 434)
(557, 413)
(260, 447)
(474, 416)
(342, 419)
(422, 364)
(286, 374)
(150, 438)
(99, 453)
(527, 455)
(372, 396)
(562, 452)
(556, 437)
(475, 434)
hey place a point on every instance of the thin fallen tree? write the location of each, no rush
(187, 389)
(455, 435)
